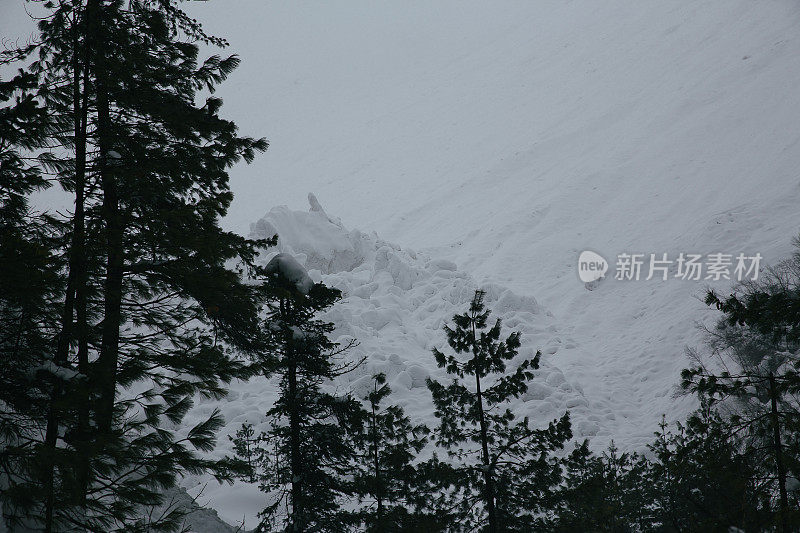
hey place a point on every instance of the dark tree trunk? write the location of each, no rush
(112, 287)
(378, 480)
(488, 480)
(75, 297)
(297, 464)
(778, 450)
(80, 108)
(296, 523)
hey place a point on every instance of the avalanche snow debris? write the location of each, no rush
(395, 304)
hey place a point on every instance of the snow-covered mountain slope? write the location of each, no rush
(429, 120)
(508, 137)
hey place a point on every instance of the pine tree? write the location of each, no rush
(246, 448)
(602, 493)
(752, 370)
(703, 477)
(386, 480)
(311, 428)
(149, 300)
(504, 487)
(29, 287)
(582, 505)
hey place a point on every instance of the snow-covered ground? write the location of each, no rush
(505, 138)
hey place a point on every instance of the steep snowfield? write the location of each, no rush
(509, 137)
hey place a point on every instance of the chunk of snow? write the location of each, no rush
(286, 266)
(321, 240)
(60, 372)
(403, 381)
(442, 264)
(418, 376)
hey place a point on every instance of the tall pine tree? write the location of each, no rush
(506, 466)
(312, 429)
(751, 370)
(30, 284)
(151, 313)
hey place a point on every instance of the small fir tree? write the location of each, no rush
(386, 480)
(602, 493)
(703, 477)
(247, 450)
(506, 467)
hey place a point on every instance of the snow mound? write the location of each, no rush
(319, 240)
(395, 302)
(285, 266)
